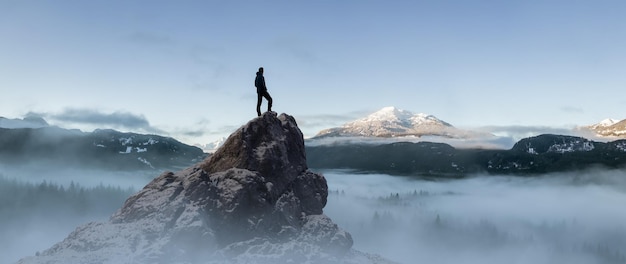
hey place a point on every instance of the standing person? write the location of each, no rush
(261, 91)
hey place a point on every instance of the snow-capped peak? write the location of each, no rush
(393, 122)
(607, 122)
(392, 114)
(609, 128)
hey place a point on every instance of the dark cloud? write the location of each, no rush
(193, 133)
(118, 119)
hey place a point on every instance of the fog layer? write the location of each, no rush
(40, 206)
(558, 218)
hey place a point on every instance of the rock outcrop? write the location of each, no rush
(253, 201)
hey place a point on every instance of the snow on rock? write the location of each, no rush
(126, 141)
(150, 141)
(577, 145)
(253, 201)
(128, 150)
(145, 161)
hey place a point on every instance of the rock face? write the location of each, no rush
(253, 201)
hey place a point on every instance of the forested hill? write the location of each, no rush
(535, 155)
(107, 149)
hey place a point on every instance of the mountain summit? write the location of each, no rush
(609, 128)
(394, 122)
(253, 201)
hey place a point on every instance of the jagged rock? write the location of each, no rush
(253, 201)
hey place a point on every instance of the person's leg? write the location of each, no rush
(258, 103)
(269, 101)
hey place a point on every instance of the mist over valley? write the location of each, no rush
(552, 218)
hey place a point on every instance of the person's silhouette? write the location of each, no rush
(261, 91)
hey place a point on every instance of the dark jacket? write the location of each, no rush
(259, 82)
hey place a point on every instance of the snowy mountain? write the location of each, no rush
(27, 122)
(609, 128)
(253, 201)
(394, 122)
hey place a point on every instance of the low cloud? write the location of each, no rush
(91, 117)
(519, 132)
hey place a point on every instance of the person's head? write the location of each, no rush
(261, 69)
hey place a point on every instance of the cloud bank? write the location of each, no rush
(98, 119)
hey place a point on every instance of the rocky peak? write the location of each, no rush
(253, 201)
(271, 145)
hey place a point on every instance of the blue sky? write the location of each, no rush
(186, 68)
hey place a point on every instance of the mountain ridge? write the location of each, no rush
(530, 156)
(102, 148)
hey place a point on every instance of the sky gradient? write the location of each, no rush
(186, 68)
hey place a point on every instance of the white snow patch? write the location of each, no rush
(126, 141)
(128, 150)
(571, 147)
(145, 161)
(150, 142)
(621, 146)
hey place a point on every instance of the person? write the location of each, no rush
(261, 91)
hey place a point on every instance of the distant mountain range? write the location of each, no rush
(27, 122)
(33, 141)
(394, 122)
(534, 155)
